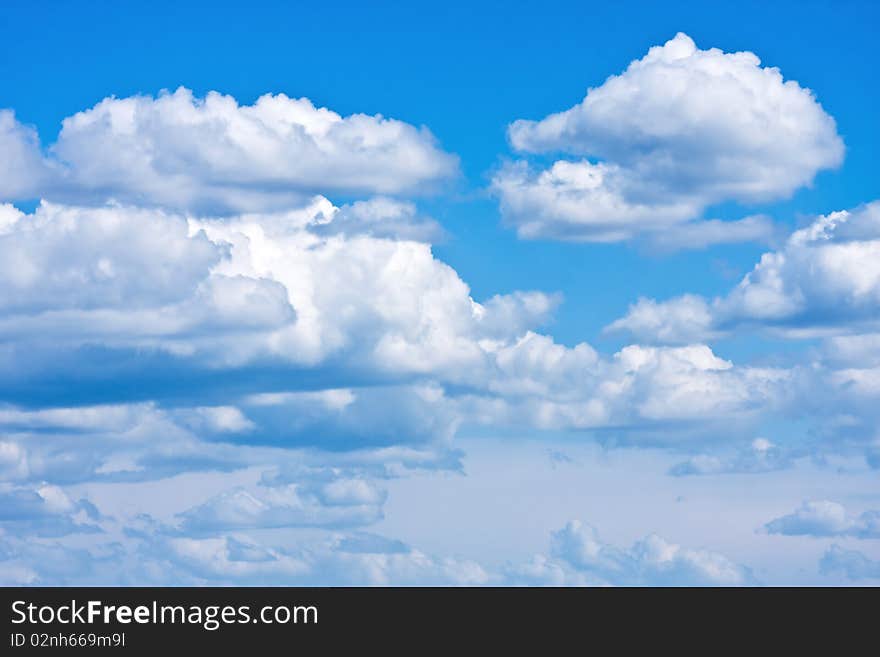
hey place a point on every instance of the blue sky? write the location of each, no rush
(318, 353)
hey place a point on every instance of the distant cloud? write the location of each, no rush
(639, 391)
(380, 217)
(578, 556)
(682, 320)
(210, 155)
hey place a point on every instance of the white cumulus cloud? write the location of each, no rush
(824, 281)
(679, 130)
(213, 154)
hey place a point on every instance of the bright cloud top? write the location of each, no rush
(679, 130)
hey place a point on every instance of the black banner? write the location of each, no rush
(133, 620)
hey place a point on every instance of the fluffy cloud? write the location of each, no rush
(38, 563)
(318, 326)
(61, 258)
(636, 394)
(124, 441)
(578, 556)
(824, 281)
(581, 201)
(825, 518)
(843, 351)
(213, 155)
(679, 130)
